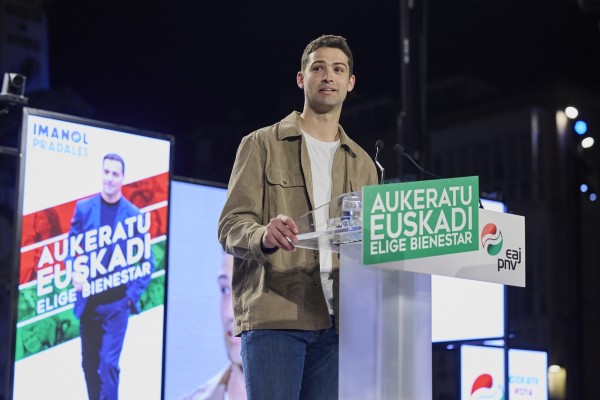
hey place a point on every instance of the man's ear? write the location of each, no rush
(351, 83)
(300, 79)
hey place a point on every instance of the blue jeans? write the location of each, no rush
(291, 364)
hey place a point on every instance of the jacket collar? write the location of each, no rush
(289, 127)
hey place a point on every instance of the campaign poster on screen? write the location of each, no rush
(454, 314)
(482, 373)
(93, 227)
(527, 374)
(202, 358)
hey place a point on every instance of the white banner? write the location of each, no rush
(500, 258)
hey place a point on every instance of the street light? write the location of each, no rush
(580, 127)
(571, 112)
(587, 142)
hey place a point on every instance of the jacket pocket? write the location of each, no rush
(287, 193)
(285, 179)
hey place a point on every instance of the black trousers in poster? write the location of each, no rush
(102, 333)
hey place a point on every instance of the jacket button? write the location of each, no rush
(285, 181)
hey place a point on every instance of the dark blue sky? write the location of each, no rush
(171, 66)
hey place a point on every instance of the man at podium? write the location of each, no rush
(285, 298)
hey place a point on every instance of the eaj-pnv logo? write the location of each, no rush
(491, 239)
(484, 387)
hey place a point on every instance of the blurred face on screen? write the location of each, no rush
(112, 180)
(232, 343)
(156, 293)
(31, 341)
(41, 225)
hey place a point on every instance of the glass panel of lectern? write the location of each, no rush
(331, 224)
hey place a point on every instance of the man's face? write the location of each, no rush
(326, 79)
(112, 178)
(232, 343)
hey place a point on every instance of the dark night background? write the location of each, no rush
(209, 73)
(185, 68)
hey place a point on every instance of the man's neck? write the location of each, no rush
(111, 199)
(322, 127)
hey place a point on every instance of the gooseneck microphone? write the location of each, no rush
(400, 150)
(378, 148)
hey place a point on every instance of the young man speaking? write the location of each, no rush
(286, 299)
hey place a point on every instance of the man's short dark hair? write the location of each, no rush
(333, 41)
(115, 157)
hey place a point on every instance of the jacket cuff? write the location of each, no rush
(256, 244)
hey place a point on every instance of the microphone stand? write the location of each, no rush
(400, 150)
(379, 147)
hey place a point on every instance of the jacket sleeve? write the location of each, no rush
(76, 222)
(240, 225)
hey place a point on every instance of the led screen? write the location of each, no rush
(482, 374)
(92, 226)
(200, 348)
(464, 309)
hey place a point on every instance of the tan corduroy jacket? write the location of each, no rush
(271, 176)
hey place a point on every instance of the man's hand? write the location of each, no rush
(281, 232)
(77, 285)
(77, 279)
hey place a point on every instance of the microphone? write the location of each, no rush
(400, 150)
(378, 148)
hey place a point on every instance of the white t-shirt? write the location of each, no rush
(321, 162)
